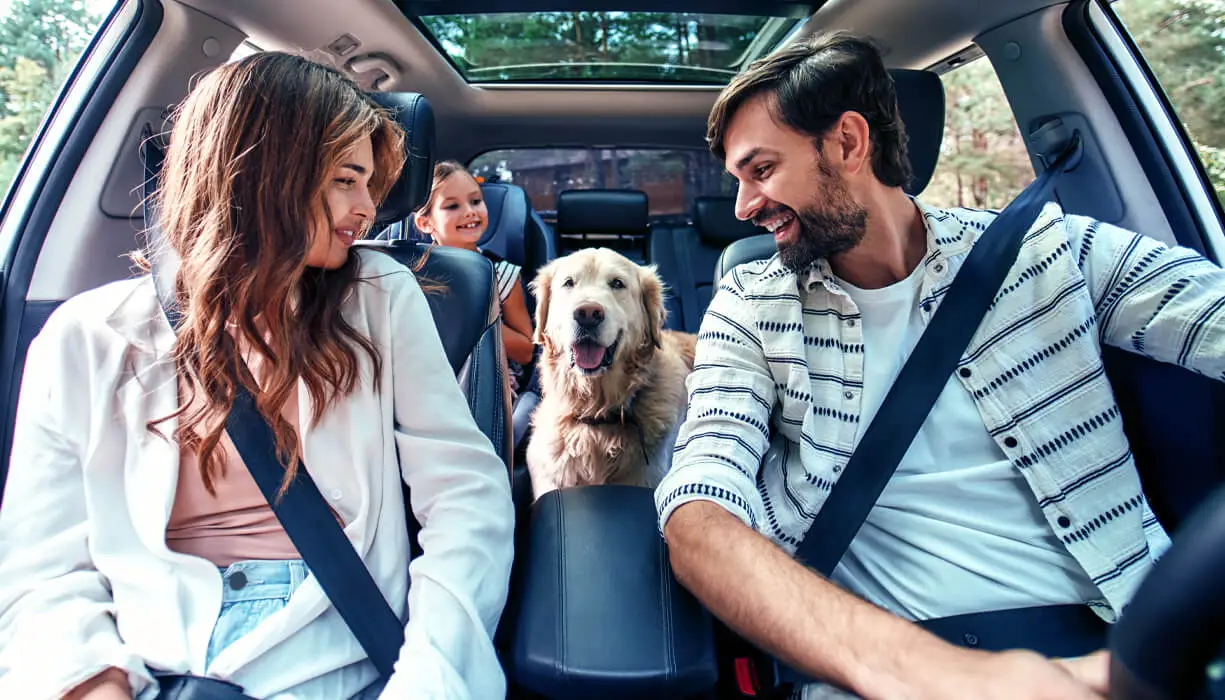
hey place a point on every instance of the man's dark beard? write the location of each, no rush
(837, 227)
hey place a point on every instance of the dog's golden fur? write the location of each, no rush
(605, 427)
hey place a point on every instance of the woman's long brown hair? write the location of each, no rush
(241, 193)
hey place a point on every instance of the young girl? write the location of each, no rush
(134, 542)
(455, 215)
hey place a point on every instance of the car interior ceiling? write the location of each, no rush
(89, 242)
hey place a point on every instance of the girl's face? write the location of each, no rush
(458, 216)
(347, 192)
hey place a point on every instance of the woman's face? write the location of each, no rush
(347, 191)
(458, 216)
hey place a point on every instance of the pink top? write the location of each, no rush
(237, 523)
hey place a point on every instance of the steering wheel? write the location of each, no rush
(1174, 627)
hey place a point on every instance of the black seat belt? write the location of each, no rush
(925, 374)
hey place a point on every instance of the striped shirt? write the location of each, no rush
(506, 274)
(775, 396)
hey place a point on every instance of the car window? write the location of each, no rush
(1183, 42)
(40, 42)
(983, 160)
(671, 178)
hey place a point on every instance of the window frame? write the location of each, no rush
(1157, 135)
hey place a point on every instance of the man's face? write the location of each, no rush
(789, 187)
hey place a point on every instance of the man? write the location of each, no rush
(1019, 490)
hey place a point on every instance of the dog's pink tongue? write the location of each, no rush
(588, 355)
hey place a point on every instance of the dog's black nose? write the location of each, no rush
(589, 316)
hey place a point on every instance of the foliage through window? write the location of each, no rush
(1183, 42)
(679, 47)
(983, 160)
(40, 41)
(671, 178)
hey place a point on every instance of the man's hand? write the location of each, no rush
(824, 632)
(1014, 675)
(1092, 670)
(111, 684)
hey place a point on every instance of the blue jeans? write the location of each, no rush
(253, 590)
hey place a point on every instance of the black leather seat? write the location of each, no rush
(516, 232)
(608, 218)
(679, 252)
(466, 315)
(1180, 453)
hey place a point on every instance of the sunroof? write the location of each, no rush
(651, 47)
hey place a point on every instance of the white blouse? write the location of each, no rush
(87, 581)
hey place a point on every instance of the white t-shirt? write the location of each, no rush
(957, 530)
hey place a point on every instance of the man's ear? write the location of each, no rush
(541, 287)
(652, 302)
(852, 143)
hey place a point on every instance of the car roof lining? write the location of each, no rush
(473, 118)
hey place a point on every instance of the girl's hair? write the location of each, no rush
(240, 196)
(443, 169)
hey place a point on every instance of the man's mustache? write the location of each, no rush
(766, 214)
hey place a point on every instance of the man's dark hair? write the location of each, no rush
(813, 82)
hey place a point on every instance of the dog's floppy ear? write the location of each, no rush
(653, 301)
(541, 288)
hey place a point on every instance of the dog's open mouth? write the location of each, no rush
(591, 357)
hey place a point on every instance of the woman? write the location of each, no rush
(455, 215)
(133, 540)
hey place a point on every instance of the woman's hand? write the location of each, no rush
(111, 684)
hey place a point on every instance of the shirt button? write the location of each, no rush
(927, 307)
(1064, 521)
(849, 395)
(837, 470)
(336, 494)
(970, 639)
(939, 267)
(965, 372)
(850, 322)
(1010, 441)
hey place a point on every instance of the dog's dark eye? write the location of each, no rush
(616, 283)
(568, 282)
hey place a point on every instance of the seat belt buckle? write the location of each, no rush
(758, 675)
(746, 676)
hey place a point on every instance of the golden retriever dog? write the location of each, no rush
(612, 380)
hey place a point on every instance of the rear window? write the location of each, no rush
(671, 178)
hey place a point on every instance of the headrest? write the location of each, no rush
(920, 99)
(416, 117)
(743, 251)
(508, 209)
(602, 211)
(716, 222)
